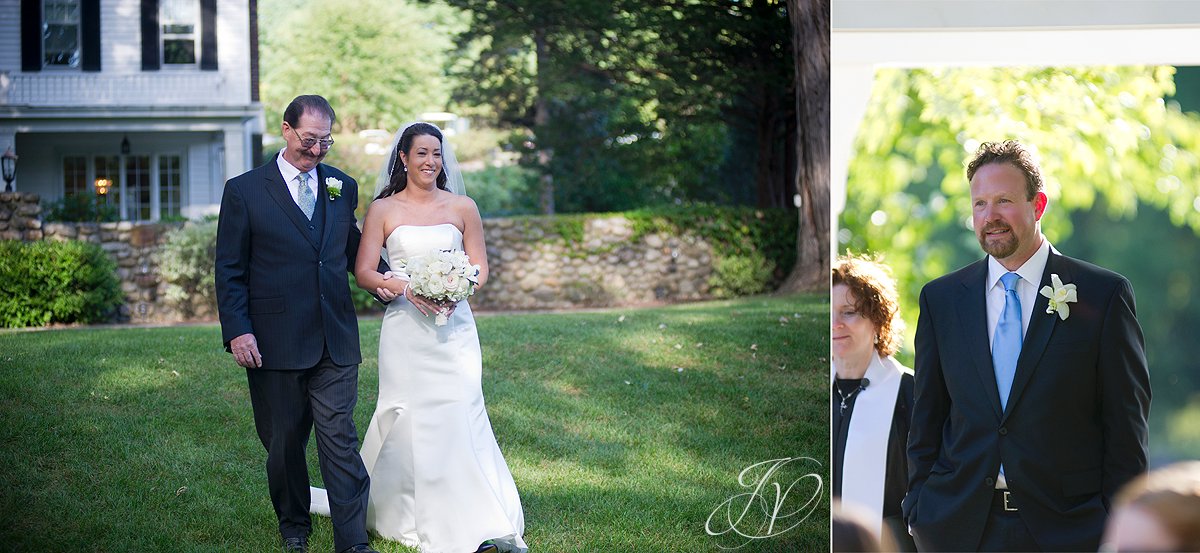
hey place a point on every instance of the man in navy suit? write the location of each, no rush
(285, 241)
(1025, 422)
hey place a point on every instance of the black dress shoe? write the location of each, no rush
(360, 548)
(486, 548)
(295, 545)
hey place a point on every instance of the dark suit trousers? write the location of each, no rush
(288, 405)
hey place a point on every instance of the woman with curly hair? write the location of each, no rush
(871, 395)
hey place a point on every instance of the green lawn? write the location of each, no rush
(624, 430)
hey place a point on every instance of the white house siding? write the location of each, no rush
(207, 116)
(10, 37)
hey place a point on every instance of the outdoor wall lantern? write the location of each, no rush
(9, 162)
(125, 146)
(102, 186)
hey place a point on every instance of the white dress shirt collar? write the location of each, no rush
(289, 173)
(1030, 272)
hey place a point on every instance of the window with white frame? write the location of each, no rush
(139, 187)
(60, 33)
(180, 20)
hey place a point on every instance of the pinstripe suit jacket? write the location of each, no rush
(275, 279)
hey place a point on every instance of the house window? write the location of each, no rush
(137, 188)
(170, 192)
(143, 188)
(60, 33)
(75, 181)
(180, 20)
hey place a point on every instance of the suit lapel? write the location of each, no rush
(972, 316)
(278, 191)
(323, 197)
(1041, 326)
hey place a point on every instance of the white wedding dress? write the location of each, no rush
(438, 480)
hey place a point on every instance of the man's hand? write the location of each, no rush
(386, 295)
(245, 351)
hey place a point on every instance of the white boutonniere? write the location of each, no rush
(1060, 294)
(333, 187)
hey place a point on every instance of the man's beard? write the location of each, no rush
(999, 249)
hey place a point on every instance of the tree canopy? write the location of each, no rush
(379, 64)
(620, 103)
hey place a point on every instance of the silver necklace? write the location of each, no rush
(863, 386)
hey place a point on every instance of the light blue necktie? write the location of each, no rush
(307, 201)
(1006, 344)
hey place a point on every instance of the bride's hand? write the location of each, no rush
(425, 305)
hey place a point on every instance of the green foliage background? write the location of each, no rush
(187, 264)
(378, 62)
(645, 104)
(1118, 150)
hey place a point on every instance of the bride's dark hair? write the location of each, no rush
(399, 173)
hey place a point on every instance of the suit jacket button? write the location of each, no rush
(320, 263)
(1003, 431)
(990, 482)
(310, 227)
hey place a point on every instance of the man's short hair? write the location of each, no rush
(1009, 151)
(306, 103)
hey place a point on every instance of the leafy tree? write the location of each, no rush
(1099, 132)
(379, 63)
(623, 103)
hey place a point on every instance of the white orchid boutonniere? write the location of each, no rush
(1060, 294)
(333, 187)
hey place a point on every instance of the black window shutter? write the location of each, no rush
(31, 35)
(208, 35)
(89, 15)
(150, 57)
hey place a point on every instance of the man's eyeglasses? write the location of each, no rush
(308, 143)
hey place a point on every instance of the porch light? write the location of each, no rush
(102, 186)
(9, 163)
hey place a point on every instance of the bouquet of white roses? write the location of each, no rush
(442, 275)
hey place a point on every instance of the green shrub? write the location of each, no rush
(56, 282)
(503, 191)
(83, 208)
(741, 275)
(187, 263)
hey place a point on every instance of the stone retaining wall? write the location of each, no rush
(20, 216)
(532, 266)
(535, 262)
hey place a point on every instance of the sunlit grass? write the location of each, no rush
(624, 429)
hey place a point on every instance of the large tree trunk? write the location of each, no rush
(764, 138)
(810, 42)
(541, 117)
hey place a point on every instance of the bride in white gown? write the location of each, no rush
(438, 479)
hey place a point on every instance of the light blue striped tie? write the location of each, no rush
(307, 201)
(1006, 344)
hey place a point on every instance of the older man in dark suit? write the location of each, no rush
(1032, 391)
(285, 241)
